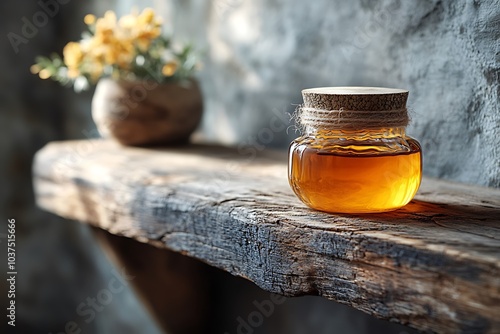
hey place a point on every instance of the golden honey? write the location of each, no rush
(355, 156)
(354, 180)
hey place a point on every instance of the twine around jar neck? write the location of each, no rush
(308, 117)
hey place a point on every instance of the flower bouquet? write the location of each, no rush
(145, 90)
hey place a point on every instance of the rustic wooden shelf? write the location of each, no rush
(433, 265)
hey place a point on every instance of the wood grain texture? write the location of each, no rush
(433, 265)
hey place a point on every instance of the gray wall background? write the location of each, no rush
(259, 55)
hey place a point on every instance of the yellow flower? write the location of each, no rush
(149, 33)
(125, 53)
(169, 69)
(89, 19)
(147, 16)
(44, 74)
(143, 36)
(143, 41)
(103, 37)
(109, 19)
(113, 46)
(73, 55)
(128, 21)
(105, 26)
(96, 71)
(132, 30)
(73, 73)
(112, 43)
(34, 69)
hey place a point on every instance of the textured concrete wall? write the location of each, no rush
(261, 53)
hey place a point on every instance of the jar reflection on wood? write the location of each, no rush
(146, 112)
(354, 156)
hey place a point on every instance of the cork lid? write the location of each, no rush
(355, 98)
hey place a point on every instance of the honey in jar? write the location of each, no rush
(354, 156)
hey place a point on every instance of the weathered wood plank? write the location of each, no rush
(434, 265)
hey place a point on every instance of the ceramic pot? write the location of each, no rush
(145, 112)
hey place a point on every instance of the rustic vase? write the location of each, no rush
(145, 112)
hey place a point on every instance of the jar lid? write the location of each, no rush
(354, 107)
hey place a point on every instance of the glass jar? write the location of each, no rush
(354, 156)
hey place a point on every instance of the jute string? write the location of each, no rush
(351, 119)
